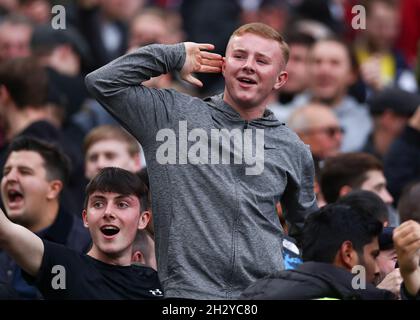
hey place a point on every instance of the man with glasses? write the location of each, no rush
(318, 127)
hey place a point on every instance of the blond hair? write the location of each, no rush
(265, 31)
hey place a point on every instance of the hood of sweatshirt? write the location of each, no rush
(227, 112)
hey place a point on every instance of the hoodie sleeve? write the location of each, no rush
(118, 87)
(299, 198)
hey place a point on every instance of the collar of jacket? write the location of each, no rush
(217, 102)
(340, 281)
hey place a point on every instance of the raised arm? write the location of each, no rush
(141, 110)
(26, 248)
(407, 244)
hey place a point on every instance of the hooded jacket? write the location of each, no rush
(217, 229)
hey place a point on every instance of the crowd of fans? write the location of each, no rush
(352, 95)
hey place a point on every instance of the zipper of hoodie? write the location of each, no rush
(235, 228)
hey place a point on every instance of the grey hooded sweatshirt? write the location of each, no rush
(217, 228)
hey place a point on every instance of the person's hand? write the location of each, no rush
(407, 245)
(392, 282)
(198, 60)
(414, 121)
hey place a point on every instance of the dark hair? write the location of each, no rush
(346, 169)
(299, 38)
(56, 163)
(119, 181)
(366, 202)
(26, 81)
(144, 177)
(409, 203)
(325, 231)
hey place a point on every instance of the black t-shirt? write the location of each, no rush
(66, 274)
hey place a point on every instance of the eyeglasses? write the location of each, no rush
(329, 131)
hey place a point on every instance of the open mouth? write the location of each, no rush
(110, 231)
(246, 80)
(14, 196)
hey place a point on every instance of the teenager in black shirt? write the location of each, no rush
(113, 215)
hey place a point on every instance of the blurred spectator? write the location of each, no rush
(62, 52)
(332, 69)
(381, 64)
(353, 171)
(38, 11)
(274, 13)
(34, 175)
(110, 146)
(409, 204)
(8, 6)
(147, 27)
(15, 37)
(390, 110)
(104, 24)
(151, 25)
(24, 107)
(402, 163)
(318, 127)
(210, 22)
(297, 81)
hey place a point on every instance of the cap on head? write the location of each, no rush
(399, 101)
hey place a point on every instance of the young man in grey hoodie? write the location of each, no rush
(217, 166)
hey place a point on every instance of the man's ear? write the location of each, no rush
(344, 190)
(55, 187)
(138, 257)
(84, 217)
(347, 256)
(281, 80)
(144, 219)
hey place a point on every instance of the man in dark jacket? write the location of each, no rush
(340, 247)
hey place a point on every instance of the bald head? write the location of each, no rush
(317, 126)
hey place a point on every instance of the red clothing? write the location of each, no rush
(410, 29)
